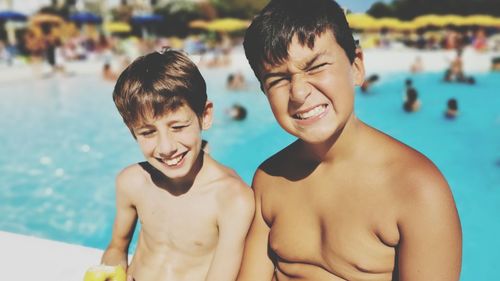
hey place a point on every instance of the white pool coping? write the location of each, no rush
(26, 258)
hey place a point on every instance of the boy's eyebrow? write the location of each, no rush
(310, 62)
(305, 66)
(141, 127)
(273, 74)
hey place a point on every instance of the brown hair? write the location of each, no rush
(158, 83)
(268, 38)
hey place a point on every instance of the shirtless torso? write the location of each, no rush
(345, 220)
(180, 233)
(170, 248)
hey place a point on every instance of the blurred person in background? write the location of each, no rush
(451, 109)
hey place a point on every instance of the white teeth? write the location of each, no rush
(313, 112)
(174, 161)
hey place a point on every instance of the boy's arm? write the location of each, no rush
(233, 219)
(257, 265)
(123, 227)
(430, 245)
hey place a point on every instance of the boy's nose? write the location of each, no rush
(299, 90)
(166, 145)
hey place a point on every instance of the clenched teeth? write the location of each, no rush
(313, 112)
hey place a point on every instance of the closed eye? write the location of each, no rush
(275, 82)
(147, 133)
(179, 127)
(317, 67)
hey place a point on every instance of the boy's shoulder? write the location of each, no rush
(220, 175)
(134, 175)
(230, 189)
(408, 164)
(133, 170)
(409, 175)
(416, 188)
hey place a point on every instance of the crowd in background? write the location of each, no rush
(56, 43)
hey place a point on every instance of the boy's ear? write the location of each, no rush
(358, 68)
(207, 117)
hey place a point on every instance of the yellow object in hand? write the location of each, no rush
(105, 273)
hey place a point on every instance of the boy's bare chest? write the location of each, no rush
(335, 230)
(184, 224)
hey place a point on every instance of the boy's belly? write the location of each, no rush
(312, 246)
(169, 262)
(170, 266)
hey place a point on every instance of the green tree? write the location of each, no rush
(380, 10)
(244, 9)
(409, 9)
(177, 15)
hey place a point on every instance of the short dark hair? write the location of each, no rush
(271, 32)
(452, 104)
(157, 83)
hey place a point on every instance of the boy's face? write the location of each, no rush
(312, 93)
(172, 142)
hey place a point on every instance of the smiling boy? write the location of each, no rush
(344, 201)
(194, 212)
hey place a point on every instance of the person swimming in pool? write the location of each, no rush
(237, 112)
(451, 109)
(369, 82)
(194, 212)
(455, 73)
(236, 81)
(411, 102)
(343, 201)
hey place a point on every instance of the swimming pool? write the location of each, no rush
(63, 142)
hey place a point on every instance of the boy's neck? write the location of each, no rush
(181, 186)
(341, 145)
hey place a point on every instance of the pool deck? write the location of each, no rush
(376, 61)
(25, 258)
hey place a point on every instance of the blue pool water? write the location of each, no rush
(63, 142)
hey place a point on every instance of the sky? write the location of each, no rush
(358, 6)
(25, 6)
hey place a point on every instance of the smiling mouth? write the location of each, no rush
(173, 162)
(313, 112)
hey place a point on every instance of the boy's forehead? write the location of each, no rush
(300, 54)
(180, 113)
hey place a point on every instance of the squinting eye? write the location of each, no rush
(178, 128)
(317, 67)
(146, 133)
(275, 82)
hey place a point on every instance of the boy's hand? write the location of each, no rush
(106, 273)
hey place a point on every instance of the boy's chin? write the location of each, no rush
(315, 136)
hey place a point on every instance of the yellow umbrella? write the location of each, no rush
(453, 20)
(198, 24)
(482, 20)
(227, 25)
(390, 23)
(360, 21)
(407, 25)
(426, 20)
(46, 18)
(117, 26)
